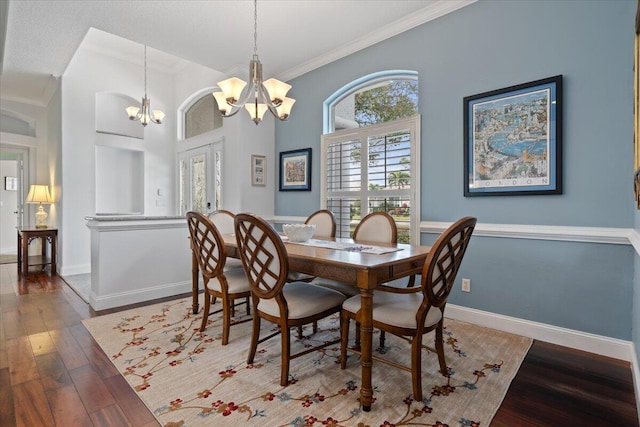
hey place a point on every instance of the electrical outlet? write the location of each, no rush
(466, 285)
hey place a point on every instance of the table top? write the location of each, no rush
(344, 258)
(36, 230)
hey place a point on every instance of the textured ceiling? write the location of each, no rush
(293, 36)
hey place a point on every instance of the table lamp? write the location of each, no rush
(39, 194)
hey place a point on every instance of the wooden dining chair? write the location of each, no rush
(376, 227)
(412, 314)
(208, 246)
(223, 220)
(325, 222)
(265, 262)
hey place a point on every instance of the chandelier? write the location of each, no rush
(259, 96)
(145, 115)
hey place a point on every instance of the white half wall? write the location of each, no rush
(138, 259)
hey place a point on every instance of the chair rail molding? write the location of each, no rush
(634, 238)
(611, 235)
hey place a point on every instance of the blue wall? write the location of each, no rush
(490, 45)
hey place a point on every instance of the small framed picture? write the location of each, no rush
(295, 170)
(258, 171)
(10, 183)
(513, 140)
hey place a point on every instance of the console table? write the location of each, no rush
(25, 236)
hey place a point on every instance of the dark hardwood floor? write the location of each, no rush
(52, 372)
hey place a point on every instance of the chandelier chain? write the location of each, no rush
(255, 28)
(145, 70)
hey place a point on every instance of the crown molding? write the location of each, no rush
(432, 11)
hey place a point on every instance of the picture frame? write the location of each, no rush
(295, 170)
(10, 183)
(258, 171)
(636, 110)
(513, 140)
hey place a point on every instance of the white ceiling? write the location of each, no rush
(294, 36)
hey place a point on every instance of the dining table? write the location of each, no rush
(352, 265)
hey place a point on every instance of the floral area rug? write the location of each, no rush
(187, 378)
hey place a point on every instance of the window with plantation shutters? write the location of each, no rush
(371, 169)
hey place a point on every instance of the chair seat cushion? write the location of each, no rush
(303, 300)
(395, 309)
(232, 263)
(343, 288)
(236, 280)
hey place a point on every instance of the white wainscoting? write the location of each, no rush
(135, 259)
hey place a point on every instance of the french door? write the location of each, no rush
(199, 179)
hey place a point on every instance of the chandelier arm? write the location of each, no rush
(263, 95)
(244, 97)
(233, 111)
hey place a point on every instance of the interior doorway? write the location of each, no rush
(14, 161)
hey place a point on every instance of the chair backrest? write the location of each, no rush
(443, 262)
(207, 244)
(325, 223)
(377, 227)
(223, 220)
(263, 255)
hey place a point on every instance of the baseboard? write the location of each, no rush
(598, 344)
(139, 295)
(65, 270)
(635, 371)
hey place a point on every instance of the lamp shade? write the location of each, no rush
(277, 90)
(39, 194)
(232, 88)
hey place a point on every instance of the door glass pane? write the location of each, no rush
(199, 183)
(218, 178)
(183, 187)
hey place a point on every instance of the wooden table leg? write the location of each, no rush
(54, 250)
(366, 331)
(25, 255)
(43, 251)
(194, 282)
(19, 254)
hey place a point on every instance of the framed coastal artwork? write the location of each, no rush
(513, 140)
(636, 109)
(295, 170)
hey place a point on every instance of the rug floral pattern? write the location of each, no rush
(187, 378)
